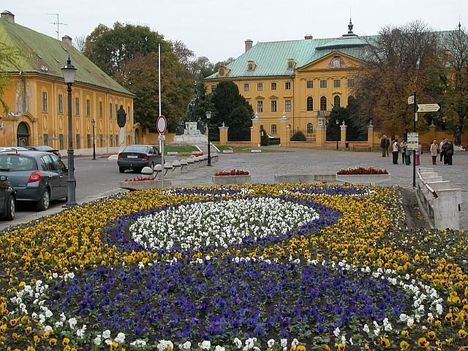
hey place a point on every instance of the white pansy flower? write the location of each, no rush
(205, 345)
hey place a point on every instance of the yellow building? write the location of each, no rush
(300, 79)
(37, 95)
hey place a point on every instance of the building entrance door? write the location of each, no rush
(22, 134)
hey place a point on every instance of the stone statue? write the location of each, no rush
(121, 117)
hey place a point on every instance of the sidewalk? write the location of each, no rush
(264, 166)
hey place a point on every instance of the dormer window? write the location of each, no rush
(291, 64)
(251, 65)
(221, 71)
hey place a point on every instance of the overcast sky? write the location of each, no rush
(218, 29)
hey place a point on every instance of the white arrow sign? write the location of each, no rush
(428, 107)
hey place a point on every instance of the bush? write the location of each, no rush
(298, 136)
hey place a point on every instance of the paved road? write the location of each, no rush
(98, 178)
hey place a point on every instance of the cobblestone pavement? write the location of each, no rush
(264, 166)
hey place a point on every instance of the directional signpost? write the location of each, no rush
(428, 108)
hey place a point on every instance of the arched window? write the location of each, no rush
(323, 103)
(336, 101)
(310, 103)
(22, 134)
(310, 128)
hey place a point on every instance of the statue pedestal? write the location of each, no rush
(191, 135)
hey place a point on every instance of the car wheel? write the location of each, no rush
(121, 169)
(44, 202)
(11, 208)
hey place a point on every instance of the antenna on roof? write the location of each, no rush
(57, 23)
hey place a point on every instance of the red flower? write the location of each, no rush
(362, 170)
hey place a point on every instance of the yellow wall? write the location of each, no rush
(298, 117)
(54, 123)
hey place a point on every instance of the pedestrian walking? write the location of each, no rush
(434, 149)
(407, 155)
(417, 155)
(449, 152)
(402, 150)
(444, 151)
(441, 149)
(384, 144)
(395, 148)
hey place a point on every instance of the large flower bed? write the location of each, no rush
(251, 267)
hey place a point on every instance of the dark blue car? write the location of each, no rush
(35, 176)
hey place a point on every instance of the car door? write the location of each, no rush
(53, 178)
(61, 170)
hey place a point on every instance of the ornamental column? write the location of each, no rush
(223, 135)
(321, 131)
(343, 128)
(370, 135)
(284, 131)
(255, 131)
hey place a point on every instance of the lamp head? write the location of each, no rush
(208, 115)
(69, 72)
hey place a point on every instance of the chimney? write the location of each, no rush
(67, 40)
(8, 16)
(248, 44)
(308, 37)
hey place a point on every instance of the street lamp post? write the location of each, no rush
(208, 117)
(93, 123)
(69, 72)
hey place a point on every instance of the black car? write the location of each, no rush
(7, 199)
(35, 175)
(45, 148)
(138, 156)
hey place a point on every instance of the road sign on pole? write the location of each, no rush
(412, 141)
(161, 124)
(428, 107)
(411, 100)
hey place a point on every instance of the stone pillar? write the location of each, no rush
(321, 131)
(255, 132)
(223, 135)
(370, 135)
(283, 131)
(343, 127)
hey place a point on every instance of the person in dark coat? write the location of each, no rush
(449, 152)
(384, 144)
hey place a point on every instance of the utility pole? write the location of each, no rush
(57, 23)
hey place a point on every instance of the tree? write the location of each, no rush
(351, 116)
(233, 109)
(8, 59)
(453, 81)
(397, 64)
(129, 54)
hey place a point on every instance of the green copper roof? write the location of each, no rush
(271, 58)
(46, 56)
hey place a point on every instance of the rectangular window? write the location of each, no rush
(259, 86)
(274, 129)
(287, 85)
(323, 83)
(260, 106)
(287, 105)
(116, 140)
(310, 84)
(110, 111)
(213, 88)
(88, 141)
(101, 140)
(350, 83)
(111, 140)
(61, 143)
(100, 109)
(88, 107)
(77, 106)
(273, 105)
(44, 101)
(129, 113)
(78, 142)
(246, 87)
(336, 83)
(60, 103)
(46, 139)
(273, 86)
(116, 109)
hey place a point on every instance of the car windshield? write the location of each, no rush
(17, 163)
(137, 148)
